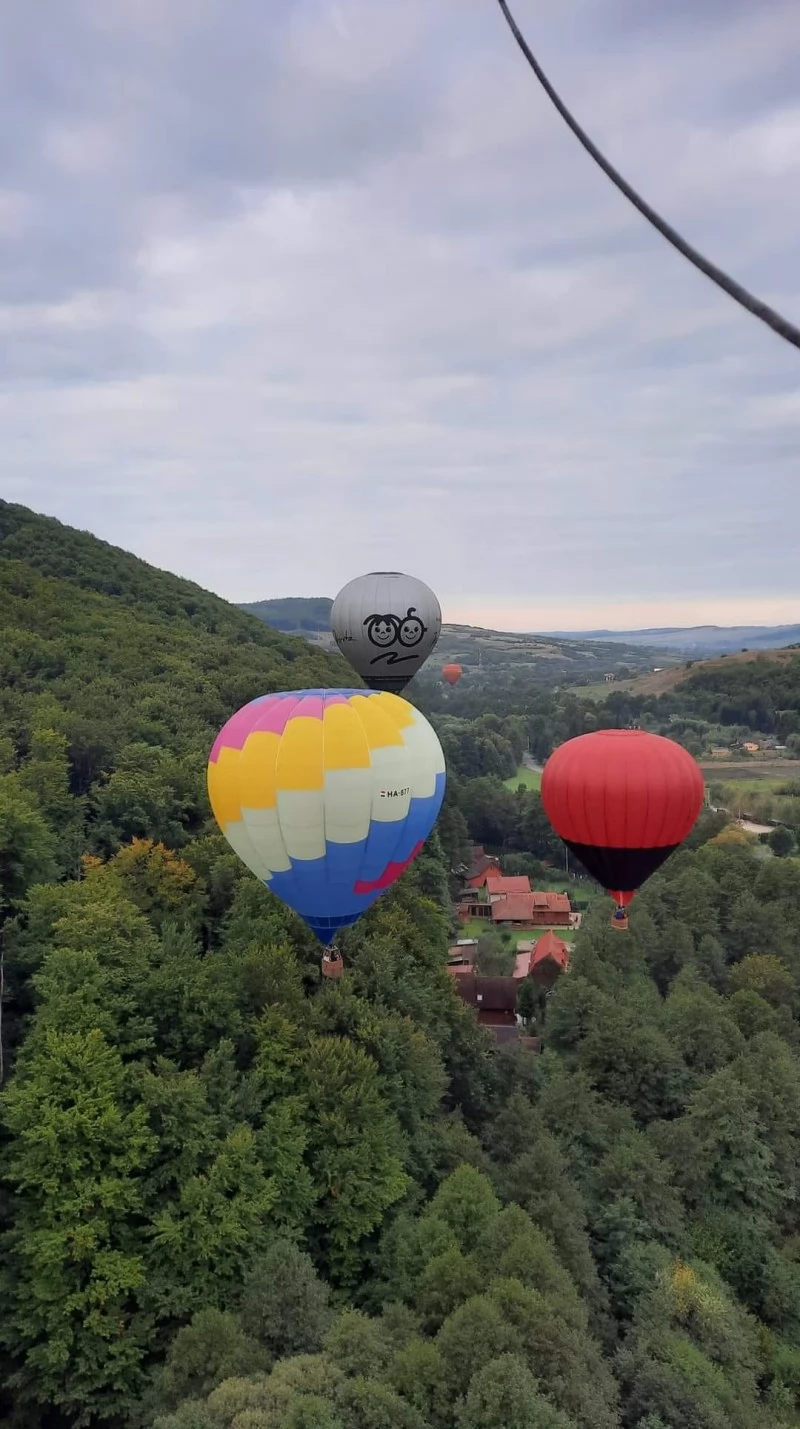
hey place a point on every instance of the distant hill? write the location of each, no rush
(483, 653)
(294, 613)
(118, 655)
(701, 640)
(720, 674)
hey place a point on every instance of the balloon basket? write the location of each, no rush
(620, 921)
(332, 965)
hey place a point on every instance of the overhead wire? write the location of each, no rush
(774, 320)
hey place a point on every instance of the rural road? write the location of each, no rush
(530, 763)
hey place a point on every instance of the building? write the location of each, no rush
(543, 959)
(461, 956)
(480, 860)
(495, 1001)
(549, 959)
(497, 885)
(531, 910)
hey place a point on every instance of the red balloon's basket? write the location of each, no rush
(332, 965)
(620, 920)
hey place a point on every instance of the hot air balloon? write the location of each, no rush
(622, 800)
(386, 625)
(452, 674)
(327, 796)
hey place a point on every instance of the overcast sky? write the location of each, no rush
(291, 290)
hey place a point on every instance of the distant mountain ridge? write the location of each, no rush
(293, 613)
(484, 654)
(311, 614)
(694, 639)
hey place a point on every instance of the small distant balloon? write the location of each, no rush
(386, 625)
(452, 674)
(327, 796)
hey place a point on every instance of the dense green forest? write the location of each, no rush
(234, 1197)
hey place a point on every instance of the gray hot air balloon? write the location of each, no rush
(386, 625)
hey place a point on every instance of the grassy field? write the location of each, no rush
(531, 778)
(510, 936)
(763, 776)
(596, 692)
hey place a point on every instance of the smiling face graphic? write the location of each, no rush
(382, 630)
(411, 629)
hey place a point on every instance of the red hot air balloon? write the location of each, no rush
(622, 801)
(452, 673)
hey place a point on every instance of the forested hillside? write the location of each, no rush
(235, 1197)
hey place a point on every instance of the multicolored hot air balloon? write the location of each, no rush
(622, 800)
(327, 796)
(386, 625)
(452, 674)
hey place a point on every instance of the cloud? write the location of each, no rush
(289, 291)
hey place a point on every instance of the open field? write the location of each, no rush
(511, 936)
(531, 778)
(763, 776)
(660, 682)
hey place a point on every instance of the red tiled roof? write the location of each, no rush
(520, 907)
(516, 909)
(550, 946)
(499, 884)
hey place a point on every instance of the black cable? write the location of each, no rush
(779, 324)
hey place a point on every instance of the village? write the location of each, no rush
(510, 906)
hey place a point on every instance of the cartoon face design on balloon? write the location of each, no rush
(381, 629)
(412, 629)
(387, 630)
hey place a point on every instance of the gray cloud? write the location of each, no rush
(292, 290)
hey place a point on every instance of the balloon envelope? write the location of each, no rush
(622, 800)
(327, 796)
(452, 673)
(386, 625)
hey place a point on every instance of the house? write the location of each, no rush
(495, 1001)
(609, 678)
(543, 960)
(480, 860)
(531, 910)
(751, 746)
(549, 959)
(494, 880)
(498, 886)
(718, 752)
(461, 957)
(468, 909)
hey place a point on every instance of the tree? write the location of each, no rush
(505, 1395)
(730, 1164)
(494, 957)
(27, 845)
(204, 1240)
(781, 841)
(354, 1147)
(766, 975)
(210, 1349)
(75, 1269)
(632, 1062)
(284, 1304)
